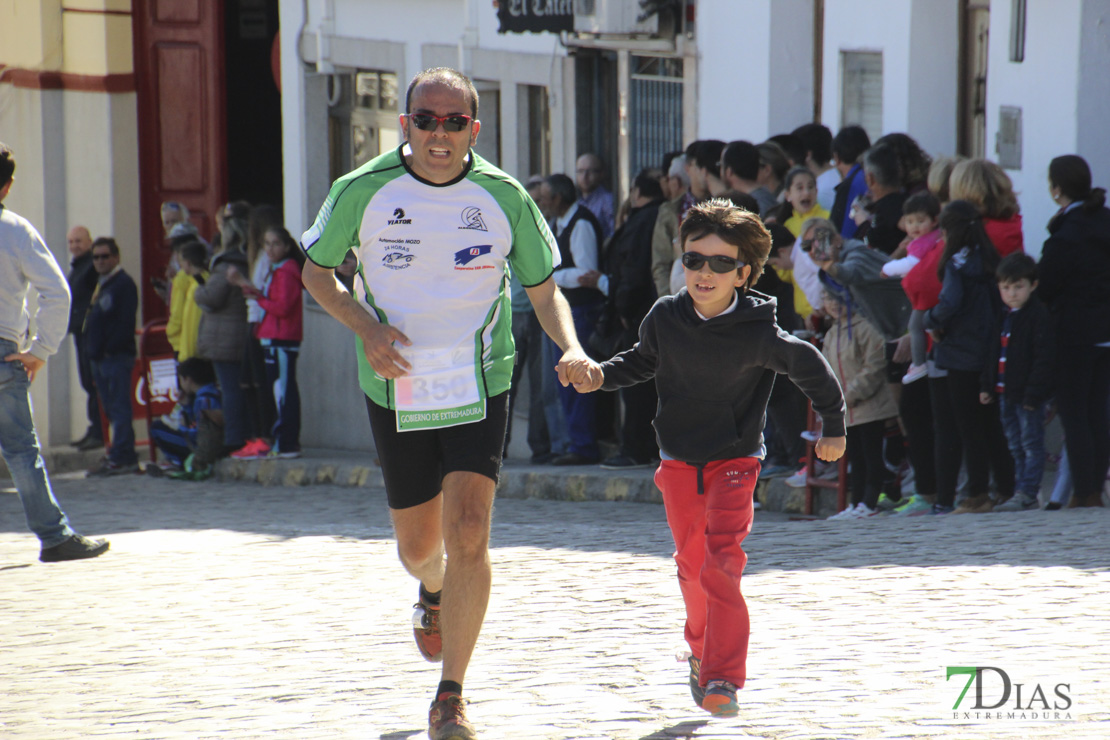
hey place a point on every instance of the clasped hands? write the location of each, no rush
(576, 369)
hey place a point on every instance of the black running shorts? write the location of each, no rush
(415, 463)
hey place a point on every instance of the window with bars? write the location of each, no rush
(655, 111)
(861, 91)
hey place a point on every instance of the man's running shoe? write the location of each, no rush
(447, 720)
(915, 506)
(720, 699)
(425, 628)
(696, 690)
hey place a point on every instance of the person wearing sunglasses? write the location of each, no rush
(26, 262)
(713, 350)
(437, 231)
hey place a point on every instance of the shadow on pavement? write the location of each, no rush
(138, 503)
(681, 731)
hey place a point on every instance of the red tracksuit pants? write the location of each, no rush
(709, 520)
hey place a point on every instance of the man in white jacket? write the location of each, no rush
(25, 261)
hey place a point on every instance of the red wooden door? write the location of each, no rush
(179, 70)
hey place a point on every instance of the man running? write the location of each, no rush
(436, 230)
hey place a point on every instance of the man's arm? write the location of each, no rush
(377, 338)
(554, 316)
(662, 248)
(52, 316)
(583, 247)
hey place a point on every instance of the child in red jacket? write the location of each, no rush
(280, 332)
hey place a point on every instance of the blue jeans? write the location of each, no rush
(113, 388)
(229, 376)
(578, 408)
(1025, 435)
(20, 447)
(281, 373)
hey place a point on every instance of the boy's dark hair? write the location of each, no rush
(708, 156)
(195, 254)
(107, 241)
(743, 229)
(850, 143)
(742, 158)
(7, 164)
(446, 76)
(197, 370)
(1016, 266)
(922, 202)
(648, 184)
(817, 140)
(691, 151)
(963, 227)
(792, 146)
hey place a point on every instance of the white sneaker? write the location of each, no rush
(862, 511)
(848, 513)
(916, 372)
(798, 480)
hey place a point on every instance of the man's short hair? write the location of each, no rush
(743, 159)
(197, 370)
(562, 187)
(195, 254)
(922, 202)
(881, 162)
(1016, 266)
(445, 76)
(107, 241)
(7, 164)
(708, 156)
(817, 140)
(736, 226)
(648, 184)
(691, 152)
(793, 146)
(850, 143)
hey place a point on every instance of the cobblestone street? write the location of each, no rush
(244, 611)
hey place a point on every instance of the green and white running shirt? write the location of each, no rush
(434, 262)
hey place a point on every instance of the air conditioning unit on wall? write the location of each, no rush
(612, 17)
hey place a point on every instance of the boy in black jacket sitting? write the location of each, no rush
(714, 349)
(1020, 376)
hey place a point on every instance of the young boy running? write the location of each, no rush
(714, 350)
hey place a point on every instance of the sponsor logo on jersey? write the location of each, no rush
(464, 257)
(397, 260)
(472, 219)
(399, 217)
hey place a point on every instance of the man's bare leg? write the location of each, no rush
(467, 511)
(419, 531)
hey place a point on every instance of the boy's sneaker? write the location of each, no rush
(720, 699)
(981, 504)
(886, 503)
(940, 509)
(447, 719)
(798, 480)
(106, 467)
(425, 628)
(848, 513)
(252, 450)
(916, 372)
(915, 506)
(775, 471)
(696, 690)
(1019, 502)
(862, 511)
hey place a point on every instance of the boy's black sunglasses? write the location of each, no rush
(451, 124)
(717, 263)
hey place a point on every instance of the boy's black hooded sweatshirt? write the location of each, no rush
(714, 376)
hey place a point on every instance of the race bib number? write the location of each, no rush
(440, 391)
